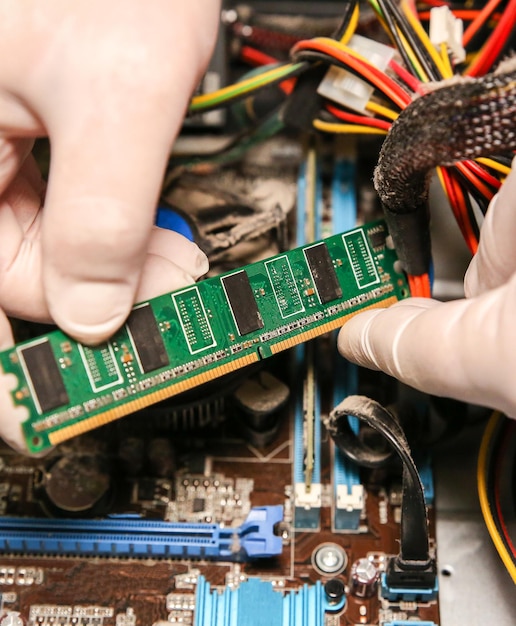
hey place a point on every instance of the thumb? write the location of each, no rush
(99, 210)
(461, 349)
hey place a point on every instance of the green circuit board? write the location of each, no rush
(180, 340)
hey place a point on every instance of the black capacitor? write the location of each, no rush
(334, 590)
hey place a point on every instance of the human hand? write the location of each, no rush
(463, 349)
(109, 83)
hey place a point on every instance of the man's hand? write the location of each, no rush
(109, 83)
(465, 349)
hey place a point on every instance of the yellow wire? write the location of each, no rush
(374, 107)
(413, 59)
(245, 85)
(482, 494)
(425, 41)
(352, 26)
(331, 127)
(446, 59)
(494, 165)
(441, 180)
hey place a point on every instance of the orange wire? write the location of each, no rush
(383, 82)
(473, 178)
(479, 21)
(419, 286)
(469, 235)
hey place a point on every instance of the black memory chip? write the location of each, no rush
(43, 372)
(377, 238)
(147, 339)
(323, 272)
(242, 302)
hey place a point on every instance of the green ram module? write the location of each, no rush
(190, 336)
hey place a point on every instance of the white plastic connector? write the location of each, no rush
(350, 500)
(311, 499)
(347, 89)
(448, 29)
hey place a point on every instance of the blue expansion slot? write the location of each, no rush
(348, 492)
(307, 419)
(307, 442)
(343, 195)
(255, 538)
(257, 603)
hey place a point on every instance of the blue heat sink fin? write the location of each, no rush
(256, 603)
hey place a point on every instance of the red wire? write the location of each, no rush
(459, 209)
(481, 172)
(468, 15)
(462, 209)
(256, 57)
(383, 82)
(473, 179)
(495, 43)
(410, 80)
(498, 475)
(357, 119)
(436, 3)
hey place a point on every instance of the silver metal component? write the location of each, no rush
(329, 558)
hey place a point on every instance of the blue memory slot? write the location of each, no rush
(307, 491)
(347, 489)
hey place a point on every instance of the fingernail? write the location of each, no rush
(91, 312)
(202, 265)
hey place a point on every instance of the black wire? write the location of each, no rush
(471, 214)
(414, 526)
(422, 55)
(395, 35)
(346, 19)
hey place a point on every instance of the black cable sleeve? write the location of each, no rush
(414, 551)
(461, 120)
